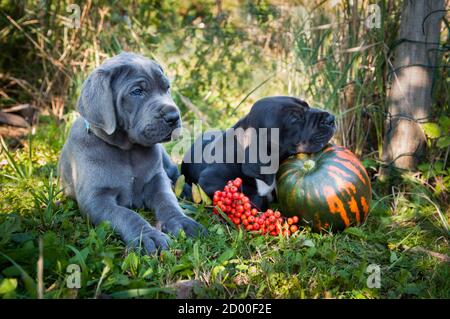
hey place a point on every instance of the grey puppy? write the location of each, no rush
(112, 160)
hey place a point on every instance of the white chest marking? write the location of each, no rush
(263, 188)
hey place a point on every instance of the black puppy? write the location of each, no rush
(276, 128)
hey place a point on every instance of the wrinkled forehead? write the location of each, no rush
(143, 63)
(132, 65)
(315, 111)
(280, 104)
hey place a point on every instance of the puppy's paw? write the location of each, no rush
(150, 241)
(176, 224)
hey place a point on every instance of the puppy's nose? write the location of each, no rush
(328, 120)
(170, 114)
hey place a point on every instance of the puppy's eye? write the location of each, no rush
(293, 119)
(137, 92)
(301, 117)
(165, 84)
(298, 118)
(166, 87)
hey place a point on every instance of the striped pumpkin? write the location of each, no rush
(327, 190)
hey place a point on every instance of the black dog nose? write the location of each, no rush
(170, 114)
(329, 120)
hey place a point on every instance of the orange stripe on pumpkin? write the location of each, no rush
(347, 155)
(353, 169)
(341, 183)
(335, 204)
(328, 149)
(354, 209)
(338, 171)
(364, 205)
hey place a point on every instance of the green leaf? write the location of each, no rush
(80, 256)
(204, 196)
(413, 289)
(106, 270)
(217, 270)
(131, 263)
(120, 279)
(196, 194)
(8, 285)
(308, 243)
(184, 267)
(432, 130)
(424, 167)
(226, 255)
(225, 216)
(179, 185)
(443, 142)
(196, 255)
(147, 273)
(30, 284)
(368, 162)
(8, 227)
(393, 258)
(11, 271)
(439, 166)
(444, 122)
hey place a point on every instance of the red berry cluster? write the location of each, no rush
(239, 210)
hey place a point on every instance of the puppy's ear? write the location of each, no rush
(96, 103)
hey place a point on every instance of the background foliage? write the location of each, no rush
(221, 57)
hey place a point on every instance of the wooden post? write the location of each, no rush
(410, 97)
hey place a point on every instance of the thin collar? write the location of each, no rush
(87, 125)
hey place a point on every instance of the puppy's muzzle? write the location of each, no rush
(328, 121)
(171, 115)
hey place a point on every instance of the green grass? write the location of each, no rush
(227, 263)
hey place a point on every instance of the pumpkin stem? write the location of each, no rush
(308, 165)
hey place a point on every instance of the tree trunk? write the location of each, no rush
(410, 97)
